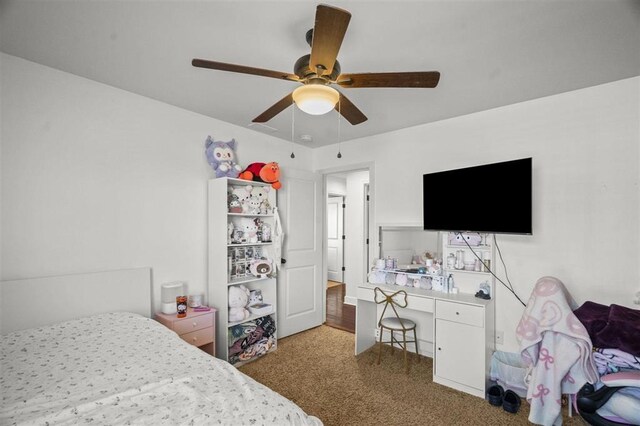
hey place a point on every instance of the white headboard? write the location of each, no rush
(35, 302)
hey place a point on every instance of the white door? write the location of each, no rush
(335, 242)
(300, 287)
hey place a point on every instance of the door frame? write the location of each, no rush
(373, 236)
(344, 200)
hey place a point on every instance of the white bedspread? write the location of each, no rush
(122, 368)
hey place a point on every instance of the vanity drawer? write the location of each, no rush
(363, 293)
(418, 303)
(459, 312)
(423, 304)
(194, 323)
(200, 337)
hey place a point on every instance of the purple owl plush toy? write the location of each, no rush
(222, 157)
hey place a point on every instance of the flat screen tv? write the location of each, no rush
(493, 198)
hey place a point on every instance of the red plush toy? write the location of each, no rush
(261, 172)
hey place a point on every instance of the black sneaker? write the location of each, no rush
(495, 395)
(511, 402)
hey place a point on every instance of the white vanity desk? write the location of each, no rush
(456, 330)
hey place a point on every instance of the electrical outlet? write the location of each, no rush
(499, 337)
(377, 333)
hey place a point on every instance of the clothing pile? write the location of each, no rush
(614, 332)
(251, 339)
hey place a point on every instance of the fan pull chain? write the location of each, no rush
(293, 121)
(339, 115)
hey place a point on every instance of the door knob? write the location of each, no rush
(283, 261)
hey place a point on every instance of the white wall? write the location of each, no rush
(585, 148)
(96, 178)
(336, 185)
(354, 255)
(1, 168)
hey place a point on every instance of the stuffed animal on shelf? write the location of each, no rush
(255, 297)
(253, 205)
(249, 230)
(242, 193)
(238, 300)
(261, 172)
(261, 268)
(234, 203)
(221, 156)
(261, 192)
(265, 207)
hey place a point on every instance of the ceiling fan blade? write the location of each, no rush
(350, 111)
(275, 109)
(221, 66)
(427, 79)
(329, 29)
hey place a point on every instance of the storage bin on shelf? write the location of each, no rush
(509, 370)
(405, 278)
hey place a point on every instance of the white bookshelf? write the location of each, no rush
(221, 257)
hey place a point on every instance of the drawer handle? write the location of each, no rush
(195, 324)
(457, 313)
(195, 339)
(439, 349)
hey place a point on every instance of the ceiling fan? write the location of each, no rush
(319, 70)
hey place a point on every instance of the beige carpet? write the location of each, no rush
(318, 371)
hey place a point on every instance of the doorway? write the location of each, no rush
(346, 259)
(335, 239)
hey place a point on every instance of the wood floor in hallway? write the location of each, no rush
(339, 315)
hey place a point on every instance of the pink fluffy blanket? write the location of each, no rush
(557, 348)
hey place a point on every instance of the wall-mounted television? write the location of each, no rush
(493, 198)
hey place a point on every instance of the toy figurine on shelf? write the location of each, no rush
(266, 233)
(230, 229)
(265, 207)
(237, 236)
(259, 224)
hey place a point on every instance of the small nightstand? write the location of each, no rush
(197, 328)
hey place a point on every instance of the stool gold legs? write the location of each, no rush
(380, 346)
(415, 342)
(404, 349)
(403, 345)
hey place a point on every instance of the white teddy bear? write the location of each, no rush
(238, 300)
(243, 193)
(249, 229)
(253, 205)
(260, 192)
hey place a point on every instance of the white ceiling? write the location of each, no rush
(489, 53)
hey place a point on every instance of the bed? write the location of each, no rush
(124, 368)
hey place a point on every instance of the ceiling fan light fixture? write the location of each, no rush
(316, 99)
